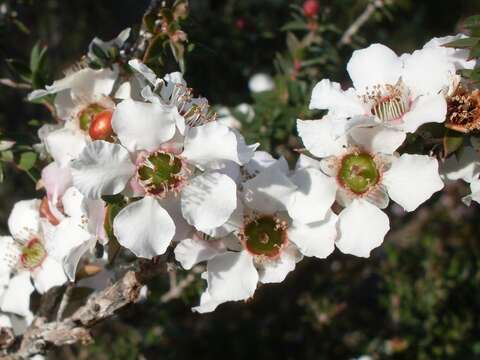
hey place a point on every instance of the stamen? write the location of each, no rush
(388, 102)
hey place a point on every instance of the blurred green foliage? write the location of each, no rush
(417, 298)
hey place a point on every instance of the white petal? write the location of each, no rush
(208, 200)
(426, 71)
(144, 70)
(329, 95)
(48, 275)
(190, 252)
(374, 65)
(24, 220)
(314, 196)
(87, 84)
(276, 271)
(412, 180)
(378, 139)
(211, 142)
(144, 227)
(16, 299)
(362, 227)
(9, 253)
(465, 165)
(305, 162)
(207, 303)
(315, 239)
(426, 109)
(232, 224)
(183, 230)
(74, 203)
(475, 193)
(68, 243)
(64, 104)
(5, 321)
(268, 192)
(459, 57)
(260, 161)
(143, 126)
(102, 169)
(65, 144)
(320, 137)
(231, 277)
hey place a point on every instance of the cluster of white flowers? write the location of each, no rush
(184, 180)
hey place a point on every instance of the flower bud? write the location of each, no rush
(101, 126)
(311, 8)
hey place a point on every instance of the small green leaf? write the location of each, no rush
(6, 156)
(37, 58)
(472, 22)
(27, 160)
(452, 141)
(98, 52)
(463, 43)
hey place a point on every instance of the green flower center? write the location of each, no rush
(32, 254)
(86, 115)
(358, 172)
(161, 172)
(265, 236)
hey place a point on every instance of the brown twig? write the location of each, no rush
(360, 21)
(76, 329)
(15, 85)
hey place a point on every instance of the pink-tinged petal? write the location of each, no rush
(102, 169)
(362, 227)
(412, 180)
(374, 65)
(56, 180)
(144, 227)
(315, 239)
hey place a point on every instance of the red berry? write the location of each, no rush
(240, 23)
(101, 126)
(311, 8)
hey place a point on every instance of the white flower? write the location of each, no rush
(261, 82)
(157, 162)
(47, 243)
(465, 166)
(366, 177)
(397, 94)
(83, 100)
(27, 251)
(275, 222)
